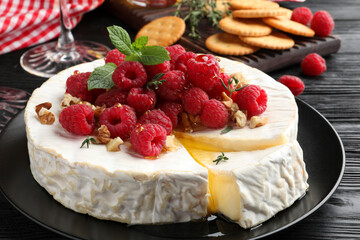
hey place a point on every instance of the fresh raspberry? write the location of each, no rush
(172, 110)
(152, 70)
(157, 117)
(120, 120)
(148, 139)
(193, 100)
(181, 61)
(313, 65)
(203, 71)
(295, 84)
(174, 52)
(141, 100)
(112, 97)
(301, 15)
(253, 99)
(322, 23)
(76, 86)
(78, 119)
(115, 56)
(173, 86)
(218, 88)
(214, 114)
(129, 75)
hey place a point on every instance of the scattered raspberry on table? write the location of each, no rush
(313, 65)
(295, 84)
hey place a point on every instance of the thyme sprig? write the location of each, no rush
(156, 81)
(198, 10)
(230, 84)
(87, 141)
(220, 158)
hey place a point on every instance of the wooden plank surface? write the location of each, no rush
(336, 94)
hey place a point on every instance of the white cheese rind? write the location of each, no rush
(264, 182)
(120, 186)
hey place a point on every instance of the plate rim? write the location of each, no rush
(313, 210)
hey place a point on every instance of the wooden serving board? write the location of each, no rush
(265, 60)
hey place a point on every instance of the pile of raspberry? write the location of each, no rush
(144, 108)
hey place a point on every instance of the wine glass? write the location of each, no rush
(48, 59)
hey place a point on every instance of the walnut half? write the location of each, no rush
(45, 116)
(256, 121)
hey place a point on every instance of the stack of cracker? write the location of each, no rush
(255, 24)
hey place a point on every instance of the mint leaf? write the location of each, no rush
(140, 43)
(120, 39)
(101, 77)
(153, 55)
(133, 58)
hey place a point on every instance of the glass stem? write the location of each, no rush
(66, 43)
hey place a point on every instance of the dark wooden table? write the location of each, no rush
(336, 94)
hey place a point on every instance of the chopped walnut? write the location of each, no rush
(257, 121)
(69, 100)
(98, 110)
(240, 118)
(170, 144)
(242, 81)
(186, 122)
(104, 135)
(46, 105)
(46, 117)
(194, 119)
(228, 102)
(114, 144)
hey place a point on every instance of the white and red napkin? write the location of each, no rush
(28, 22)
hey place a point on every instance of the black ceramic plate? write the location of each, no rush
(323, 154)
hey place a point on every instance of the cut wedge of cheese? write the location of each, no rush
(180, 185)
(252, 186)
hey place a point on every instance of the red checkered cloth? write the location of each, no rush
(28, 22)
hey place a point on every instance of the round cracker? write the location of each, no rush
(228, 44)
(289, 26)
(252, 4)
(276, 41)
(244, 27)
(163, 31)
(259, 13)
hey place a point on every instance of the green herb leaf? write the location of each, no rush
(220, 158)
(153, 55)
(140, 43)
(120, 39)
(87, 141)
(226, 130)
(133, 58)
(156, 81)
(101, 77)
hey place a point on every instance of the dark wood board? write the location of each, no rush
(265, 60)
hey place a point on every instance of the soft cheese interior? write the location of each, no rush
(265, 172)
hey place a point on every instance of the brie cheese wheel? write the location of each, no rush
(265, 172)
(282, 114)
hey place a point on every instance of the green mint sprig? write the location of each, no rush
(87, 141)
(156, 81)
(137, 51)
(220, 158)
